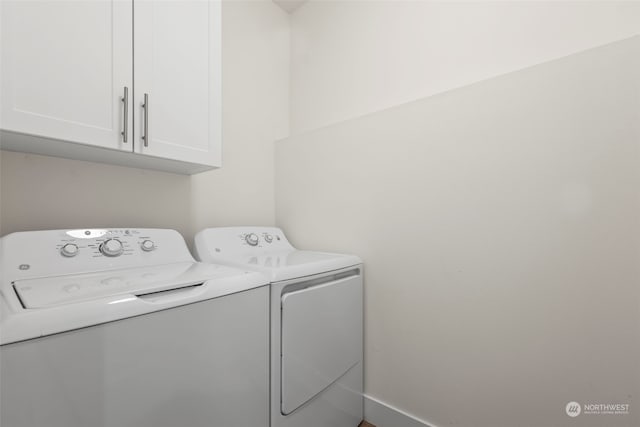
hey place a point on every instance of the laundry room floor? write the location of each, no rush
(366, 424)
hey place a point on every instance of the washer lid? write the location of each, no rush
(55, 304)
(59, 290)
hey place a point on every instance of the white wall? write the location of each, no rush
(256, 113)
(499, 227)
(351, 58)
(38, 192)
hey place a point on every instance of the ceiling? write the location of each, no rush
(289, 5)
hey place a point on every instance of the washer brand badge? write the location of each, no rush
(24, 266)
(573, 409)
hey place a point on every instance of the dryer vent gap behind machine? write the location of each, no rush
(316, 323)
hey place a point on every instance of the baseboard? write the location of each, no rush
(382, 414)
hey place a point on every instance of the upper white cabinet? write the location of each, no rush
(75, 76)
(65, 65)
(177, 68)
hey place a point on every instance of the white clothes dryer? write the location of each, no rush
(316, 323)
(123, 328)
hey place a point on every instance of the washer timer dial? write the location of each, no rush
(111, 247)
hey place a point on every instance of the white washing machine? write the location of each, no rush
(316, 323)
(122, 328)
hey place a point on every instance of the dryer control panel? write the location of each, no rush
(243, 240)
(266, 238)
(243, 245)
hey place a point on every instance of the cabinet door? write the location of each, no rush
(177, 66)
(65, 65)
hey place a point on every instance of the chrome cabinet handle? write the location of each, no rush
(145, 105)
(125, 101)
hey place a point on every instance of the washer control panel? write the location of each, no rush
(108, 243)
(62, 251)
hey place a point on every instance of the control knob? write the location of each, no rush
(147, 245)
(268, 238)
(251, 239)
(69, 250)
(111, 247)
